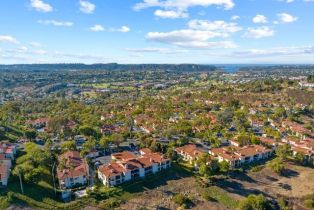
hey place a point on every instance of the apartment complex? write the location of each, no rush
(127, 166)
(238, 156)
(72, 170)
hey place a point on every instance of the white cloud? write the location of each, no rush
(198, 34)
(183, 4)
(123, 29)
(39, 52)
(218, 26)
(259, 32)
(8, 39)
(87, 7)
(278, 51)
(22, 49)
(41, 6)
(259, 19)
(189, 38)
(171, 14)
(97, 28)
(235, 17)
(35, 44)
(56, 23)
(286, 18)
(156, 50)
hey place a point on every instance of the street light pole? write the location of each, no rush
(53, 177)
(21, 184)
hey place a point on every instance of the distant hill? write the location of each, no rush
(109, 66)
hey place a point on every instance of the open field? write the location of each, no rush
(161, 196)
(294, 184)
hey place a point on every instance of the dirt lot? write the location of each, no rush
(161, 196)
(295, 184)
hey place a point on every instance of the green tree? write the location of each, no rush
(254, 202)
(68, 145)
(104, 142)
(224, 166)
(117, 139)
(276, 165)
(300, 158)
(213, 166)
(283, 152)
(34, 165)
(30, 134)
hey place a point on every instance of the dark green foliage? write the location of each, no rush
(254, 202)
(181, 200)
(276, 165)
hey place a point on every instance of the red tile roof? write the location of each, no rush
(124, 156)
(268, 141)
(75, 165)
(189, 149)
(146, 151)
(129, 162)
(113, 169)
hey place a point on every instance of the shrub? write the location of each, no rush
(254, 202)
(5, 201)
(309, 203)
(216, 194)
(257, 168)
(181, 200)
(276, 165)
(283, 204)
(111, 203)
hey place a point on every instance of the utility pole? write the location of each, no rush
(21, 184)
(53, 177)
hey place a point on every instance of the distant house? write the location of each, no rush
(304, 146)
(107, 116)
(72, 170)
(127, 167)
(189, 152)
(308, 153)
(296, 129)
(4, 174)
(256, 123)
(109, 129)
(146, 123)
(234, 142)
(237, 156)
(9, 150)
(39, 123)
(7, 154)
(269, 142)
(306, 84)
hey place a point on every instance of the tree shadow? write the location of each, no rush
(289, 173)
(241, 177)
(237, 188)
(285, 186)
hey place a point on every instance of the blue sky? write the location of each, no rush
(157, 31)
